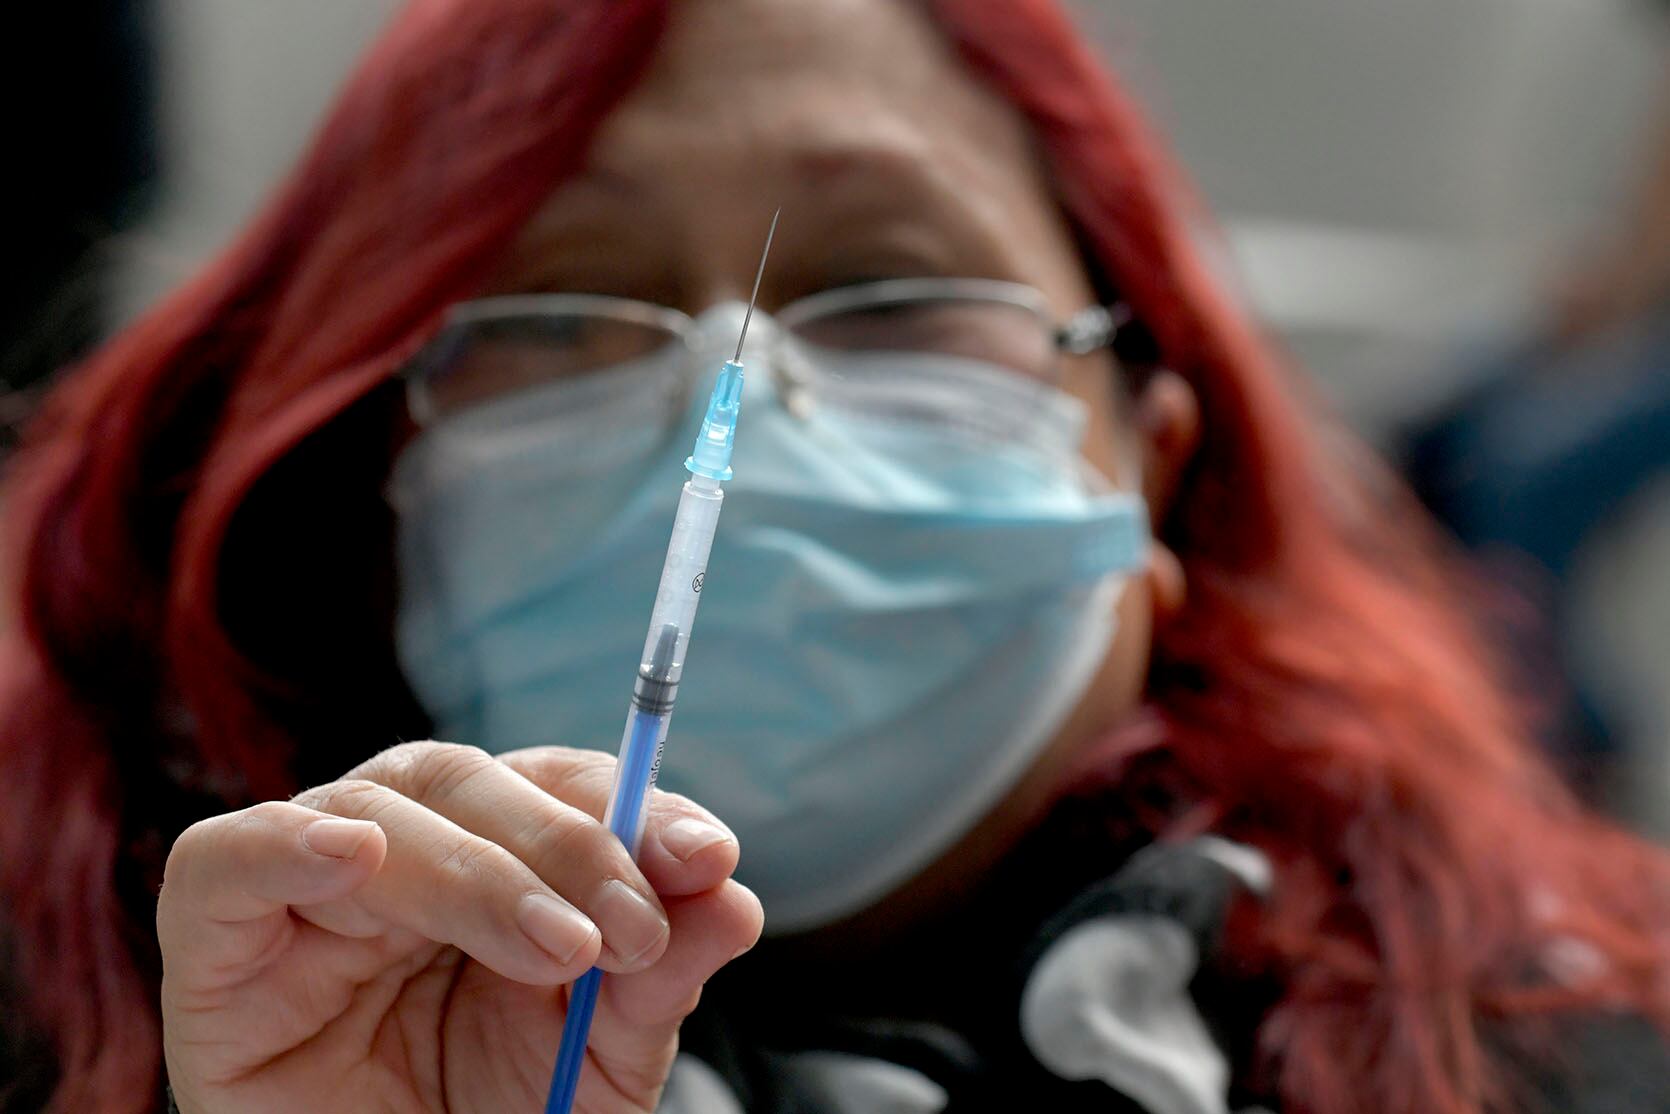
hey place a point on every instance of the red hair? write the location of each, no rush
(201, 499)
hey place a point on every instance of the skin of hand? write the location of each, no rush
(402, 939)
(420, 962)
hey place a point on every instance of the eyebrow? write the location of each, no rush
(819, 164)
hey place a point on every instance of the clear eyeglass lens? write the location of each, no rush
(505, 358)
(1009, 336)
(492, 359)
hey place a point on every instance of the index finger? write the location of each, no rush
(231, 879)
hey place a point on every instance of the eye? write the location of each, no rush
(975, 328)
(909, 325)
(497, 357)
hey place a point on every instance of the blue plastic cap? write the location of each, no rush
(712, 454)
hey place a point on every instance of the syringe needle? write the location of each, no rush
(759, 274)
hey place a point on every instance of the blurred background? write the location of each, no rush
(1454, 213)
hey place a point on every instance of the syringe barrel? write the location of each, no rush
(656, 687)
(685, 569)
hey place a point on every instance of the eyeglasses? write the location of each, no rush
(839, 347)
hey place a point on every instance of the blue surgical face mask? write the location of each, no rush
(899, 612)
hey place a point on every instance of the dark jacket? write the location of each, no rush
(1117, 1006)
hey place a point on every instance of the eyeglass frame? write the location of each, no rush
(1091, 329)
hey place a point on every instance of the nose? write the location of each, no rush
(719, 325)
(717, 330)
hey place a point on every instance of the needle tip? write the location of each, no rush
(758, 275)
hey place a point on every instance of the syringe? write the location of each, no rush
(661, 665)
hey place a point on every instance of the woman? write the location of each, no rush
(1042, 816)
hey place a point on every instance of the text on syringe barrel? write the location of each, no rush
(685, 570)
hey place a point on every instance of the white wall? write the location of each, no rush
(1393, 174)
(1459, 116)
(242, 84)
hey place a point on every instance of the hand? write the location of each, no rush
(403, 939)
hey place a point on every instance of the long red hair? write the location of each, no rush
(201, 558)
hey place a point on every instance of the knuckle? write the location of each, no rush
(577, 839)
(351, 796)
(266, 816)
(666, 807)
(242, 829)
(217, 848)
(269, 811)
(473, 860)
(567, 773)
(429, 770)
(392, 762)
(677, 804)
(662, 799)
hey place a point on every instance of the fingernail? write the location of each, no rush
(631, 923)
(686, 837)
(556, 926)
(337, 838)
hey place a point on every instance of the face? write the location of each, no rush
(888, 161)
